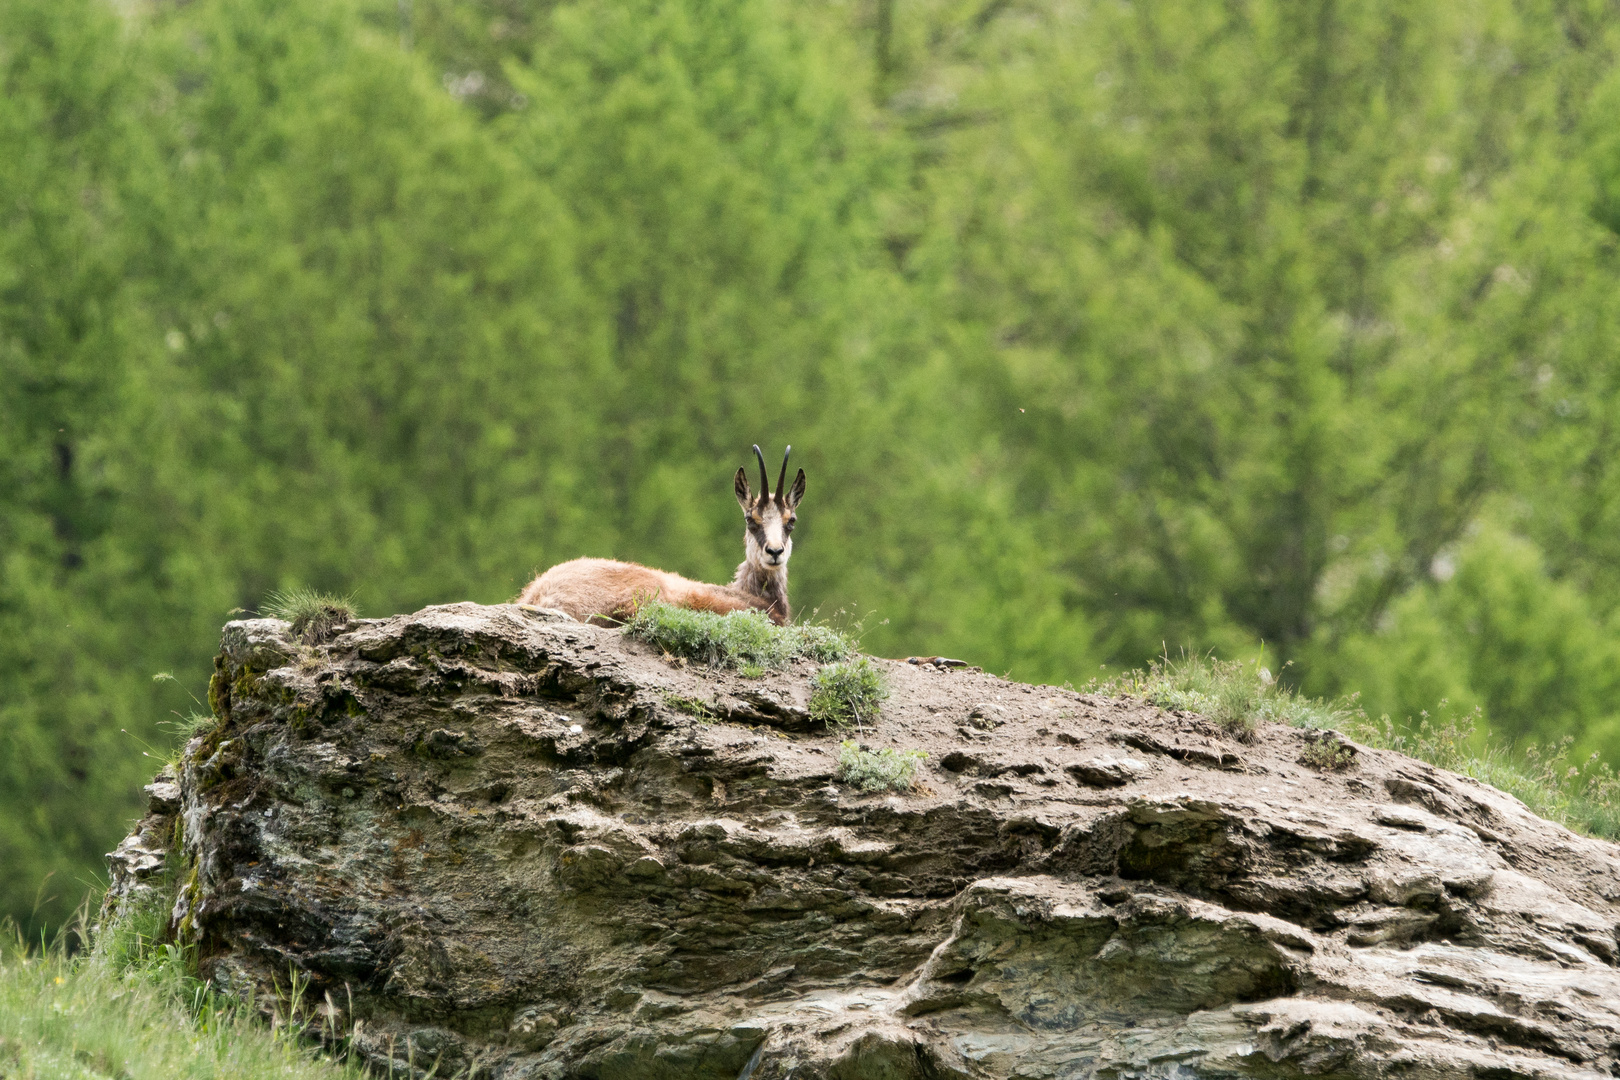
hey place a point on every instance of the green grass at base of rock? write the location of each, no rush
(745, 640)
(129, 1007)
(1583, 795)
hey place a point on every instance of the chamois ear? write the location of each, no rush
(796, 492)
(740, 486)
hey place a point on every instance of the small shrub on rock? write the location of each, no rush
(744, 640)
(850, 692)
(878, 770)
(1325, 750)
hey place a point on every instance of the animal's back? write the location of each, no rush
(593, 587)
(607, 592)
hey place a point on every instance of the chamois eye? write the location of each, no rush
(787, 526)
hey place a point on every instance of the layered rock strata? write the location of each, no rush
(509, 844)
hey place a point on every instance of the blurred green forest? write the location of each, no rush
(1100, 328)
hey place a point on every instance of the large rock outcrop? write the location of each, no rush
(501, 841)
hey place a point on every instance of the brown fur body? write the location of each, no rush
(607, 592)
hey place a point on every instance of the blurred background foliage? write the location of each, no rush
(1100, 328)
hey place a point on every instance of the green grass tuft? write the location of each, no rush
(1236, 696)
(315, 616)
(849, 692)
(691, 706)
(878, 770)
(745, 640)
(188, 724)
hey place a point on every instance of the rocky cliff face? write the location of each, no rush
(501, 841)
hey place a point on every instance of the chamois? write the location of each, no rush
(607, 592)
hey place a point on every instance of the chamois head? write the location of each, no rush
(770, 517)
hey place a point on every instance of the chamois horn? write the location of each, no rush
(781, 481)
(764, 477)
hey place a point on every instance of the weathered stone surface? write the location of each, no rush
(1108, 771)
(497, 843)
(137, 865)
